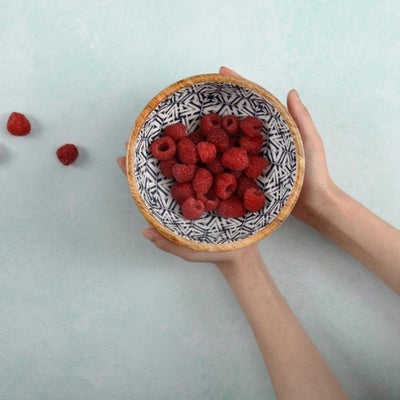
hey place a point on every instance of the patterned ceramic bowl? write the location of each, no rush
(187, 101)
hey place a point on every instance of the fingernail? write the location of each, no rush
(296, 94)
(148, 234)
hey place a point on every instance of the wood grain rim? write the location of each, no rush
(130, 167)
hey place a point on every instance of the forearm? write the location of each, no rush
(296, 368)
(370, 240)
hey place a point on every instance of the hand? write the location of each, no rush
(221, 259)
(317, 186)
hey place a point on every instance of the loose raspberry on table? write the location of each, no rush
(231, 124)
(256, 166)
(231, 208)
(163, 148)
(67, 153)
(207, 151)
(18, 124)
(183, 173)
(181, 191)
(196, 137)
(220, 138)
(202, 181)
(175, 131)
(251, 126)
(215, 166)
(187, 151)
(192, 208)
(252, 144)
(244, 183)
(210, 200)
(235, 158)
(208, 122)
(224, 185)
(166, 167)
(253, 199)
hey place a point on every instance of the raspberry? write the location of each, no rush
(207, 151)
(192, 208)
(210, 200)
(163, 148)
(215, 166)
(231, 124)
(235, 158)
(67, 154)
(187, 152)
(244, 183)
(252, 144)
(253, 199)
(181, 191)
(166, 167)
(236, 174)
(231, 208)
(224, 185)
(196, 137)
(183, 173)
(250, 126)
(18, 124)
(220, 138)
(202, 181)
(256, 166)
(175, 131)
(208, 122)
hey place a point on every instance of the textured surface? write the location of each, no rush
(187, 106)
(89, 309)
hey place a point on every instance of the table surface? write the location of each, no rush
(89, 308)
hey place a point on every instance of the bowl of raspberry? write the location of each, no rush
(215, 162)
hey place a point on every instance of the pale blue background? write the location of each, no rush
(88, 308)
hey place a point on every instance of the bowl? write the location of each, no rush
(187, 101)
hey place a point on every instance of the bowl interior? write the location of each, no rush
(187, 106)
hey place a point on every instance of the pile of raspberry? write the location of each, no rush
(215, 167)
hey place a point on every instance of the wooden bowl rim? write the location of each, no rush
(130, 167)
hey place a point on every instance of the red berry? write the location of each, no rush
(166, 167)
(236, 174)
(256, 166)
(67, 154)
(192, 208)
(234, 141)
(251, 126)
(244, 183)
(18, 124)
(163, 148)
(252, 144)
(231, 124)
(220, 138)
(196, 137)
(208, 122)
(253, 199)
(235, 158)
(231, 208)
(207, 151)
(175, 131)
(210, 200)
(215, 166)
(181, 191)
(224, 185)
(202, 181)
(183, 173)
(187, 152)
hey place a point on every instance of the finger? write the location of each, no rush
(122, 163)
(301, 115)
(164, 244)
(126, 145)
(227, 71)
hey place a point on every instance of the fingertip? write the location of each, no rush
(227, 71)
(121, 161)
(149, 234)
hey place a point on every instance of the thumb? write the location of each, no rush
(302, 116)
